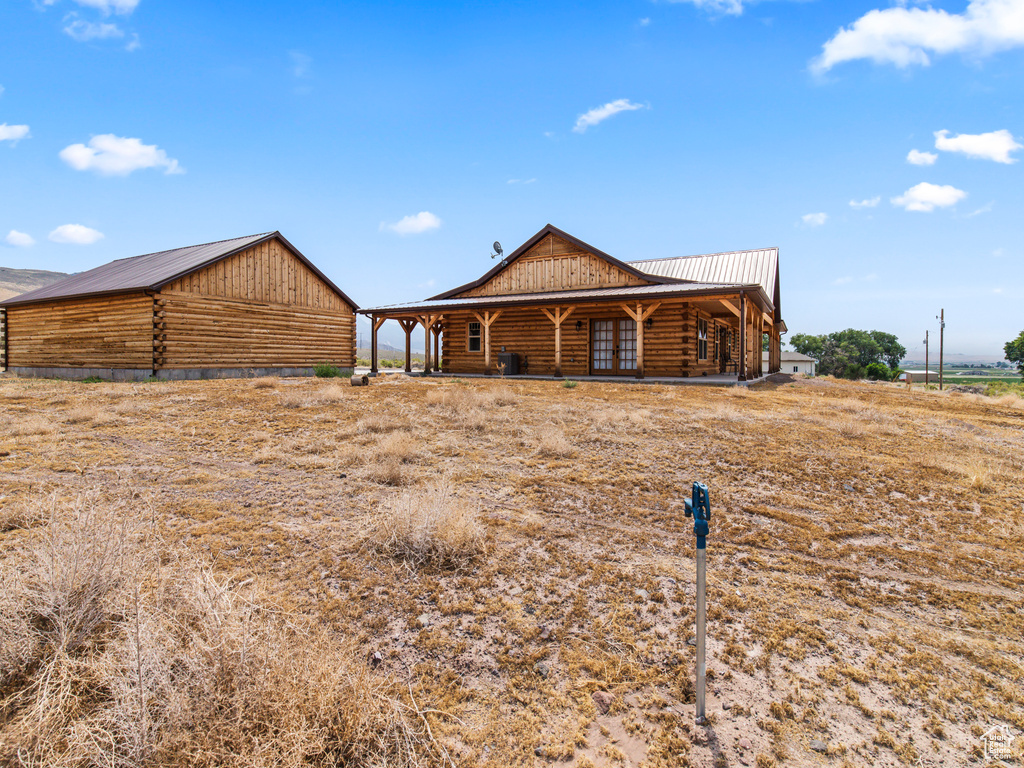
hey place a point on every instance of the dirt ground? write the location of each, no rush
(864, 563)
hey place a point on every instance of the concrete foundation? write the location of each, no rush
(165, 374)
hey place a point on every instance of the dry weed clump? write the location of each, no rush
(618, 419)
(110, 660)
(469, 409)
(551, 441)
(89, 414)
(29, 426)
(428, 525)
(265, 382)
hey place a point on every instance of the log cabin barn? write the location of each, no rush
(248, 306)
(559, 307)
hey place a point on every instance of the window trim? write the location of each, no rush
(471, 337)
(702, 338)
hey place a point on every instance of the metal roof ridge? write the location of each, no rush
(704, 255)
(187, 247)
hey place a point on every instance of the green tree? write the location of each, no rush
(892, 351)
(1015, 352)
(849, 354)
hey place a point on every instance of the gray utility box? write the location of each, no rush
(510, 361)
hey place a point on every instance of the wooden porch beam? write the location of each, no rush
(730, 306)
(427, 321)
(640, 317)
(407, 325)
(742, 371)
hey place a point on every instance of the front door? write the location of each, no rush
(613, 347)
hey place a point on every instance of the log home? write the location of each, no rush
(560, 307)
(251, 305)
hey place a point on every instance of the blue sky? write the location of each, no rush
(393, 142)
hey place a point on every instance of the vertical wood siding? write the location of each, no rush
(554, 264)
(267, 273)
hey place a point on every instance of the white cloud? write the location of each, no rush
(300, 63)
(921, 158)
(521, 181)
(19, 239)
(995, 146)
(600, 114)
(927, 197)
(814, 219)
(423, 221)
(123, 7)
(987, 208)
(842, 280)
(731, 7)
(133, 44)
(906, 36)
(644, 22)
(1, 90)
(871, 202)
(75, 234)
(112, 155)
(83, 31)
(14, 133)
(999, 253)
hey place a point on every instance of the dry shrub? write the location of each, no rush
(294, 400)
(376, 422)
(737, 391)
(617, 419)
(34, 424)
(977, 470)
(109, 660)
(88, 413)
(551, 441)
(388, 471)
(332, 393)
(264, 382)
(428, 525)
(1011, 400)
(402, 446)
(467, 409)
(724, 412)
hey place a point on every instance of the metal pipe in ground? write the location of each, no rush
(699, 507)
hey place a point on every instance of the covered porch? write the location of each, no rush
(670, 332)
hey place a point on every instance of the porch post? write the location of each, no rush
(407, 326)
(742, 373)
(376, 323)
(558, 318)
(640, 317)
(428, 324)
(437, 344)
(486, 321)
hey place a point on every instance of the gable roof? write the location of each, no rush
(552, 230)
(760, 267)
(152, 271)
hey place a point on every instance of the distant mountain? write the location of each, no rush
(14, 282)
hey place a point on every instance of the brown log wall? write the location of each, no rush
(200, 332)
(100, 332)
(670, 344)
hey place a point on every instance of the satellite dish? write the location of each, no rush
(497, 248)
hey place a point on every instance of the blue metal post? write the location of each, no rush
(699, 507)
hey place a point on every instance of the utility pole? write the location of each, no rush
(942, 333)
(926, 359)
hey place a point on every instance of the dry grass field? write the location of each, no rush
(499, 573)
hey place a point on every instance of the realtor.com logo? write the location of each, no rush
(998, 743)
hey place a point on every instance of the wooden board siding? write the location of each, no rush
(202, 332)
(267, 273)
(101, 332)
(670, 344)
(554, 264)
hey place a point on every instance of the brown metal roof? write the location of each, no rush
(550, 229)
(569, 297)
(152, 271)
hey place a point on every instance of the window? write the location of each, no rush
(474, 337)
(796, 369)
(702, 339)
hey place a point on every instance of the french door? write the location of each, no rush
(613, 347)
